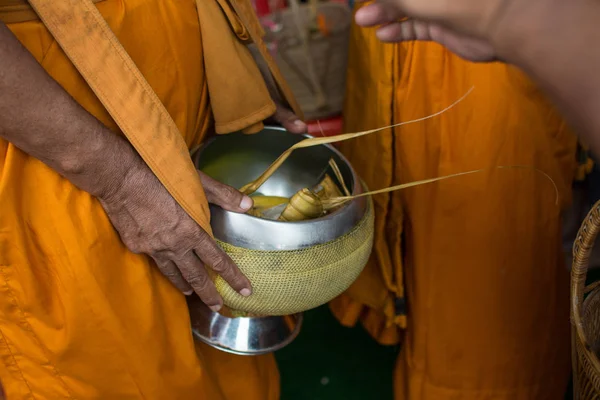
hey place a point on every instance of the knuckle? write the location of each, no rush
(171, 273)
(164, 266)
(160, 242)
(210, 300)
(199, 281)
(188, 225)
(163, 252)
(135, 246)
(220, 265)
(227, 193)
(206, 248)
(203, 240)
(174, 247)
(191, 235)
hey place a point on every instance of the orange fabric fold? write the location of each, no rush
(225, 77)
(16, 11)
(80, 315)
(126, 95)
(480, 257)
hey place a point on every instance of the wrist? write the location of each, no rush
(101, 167)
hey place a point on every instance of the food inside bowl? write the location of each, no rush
(306, 204)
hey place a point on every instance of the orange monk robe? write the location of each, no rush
(81, 316)
(466, 273)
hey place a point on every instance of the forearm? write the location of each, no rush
(560, 51)
(40, 118)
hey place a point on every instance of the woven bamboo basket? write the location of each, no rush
(585, 313)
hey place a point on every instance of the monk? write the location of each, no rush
(467, 274)
(95, 252)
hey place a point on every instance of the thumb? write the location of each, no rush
(289, 120)
(224, 196)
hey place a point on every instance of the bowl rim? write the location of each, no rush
(357, 187)
(241, 229)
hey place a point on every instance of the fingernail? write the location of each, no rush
(246, 203)
(299, 123)
(188, 293)
(245, 292)
(215, 308)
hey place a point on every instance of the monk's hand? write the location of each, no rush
(151, 222)
(283, 116)
(287, 118)
(477, 30)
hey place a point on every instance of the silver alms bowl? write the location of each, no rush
(238, 159)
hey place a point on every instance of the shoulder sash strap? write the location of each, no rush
(127, 96)
(93, 48)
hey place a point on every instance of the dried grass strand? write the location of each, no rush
(338, 175)
(335, 202)
(257, 183)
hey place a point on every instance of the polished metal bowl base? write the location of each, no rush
(242, 335)
(237, 159)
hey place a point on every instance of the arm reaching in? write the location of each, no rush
(41, 119)
(554, 41)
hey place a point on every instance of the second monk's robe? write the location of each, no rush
(467, 274)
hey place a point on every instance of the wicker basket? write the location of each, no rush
(327, 53)
(585, 313)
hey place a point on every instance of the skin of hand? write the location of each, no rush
(478, 31)
(550, 40)
(151, 222)
(178, 246)
(41, 119)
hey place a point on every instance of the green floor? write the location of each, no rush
(330, 362)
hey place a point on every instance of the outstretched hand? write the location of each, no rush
(473, 29)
